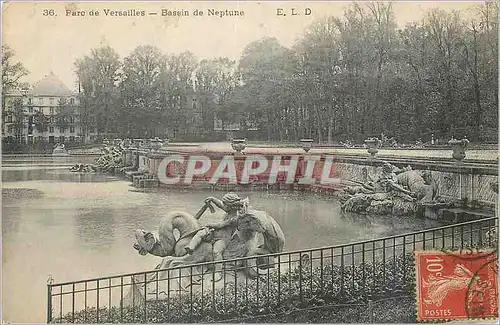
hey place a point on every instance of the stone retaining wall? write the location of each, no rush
(462, 183)
(469, 182)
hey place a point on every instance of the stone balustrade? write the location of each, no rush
(462, 180)
(469, 182)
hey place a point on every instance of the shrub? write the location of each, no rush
(316, 294)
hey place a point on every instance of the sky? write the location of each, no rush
(45, 40)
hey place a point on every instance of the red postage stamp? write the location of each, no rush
(456, 285)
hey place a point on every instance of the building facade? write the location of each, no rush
(46, 112)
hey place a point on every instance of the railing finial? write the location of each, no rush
(50, 279)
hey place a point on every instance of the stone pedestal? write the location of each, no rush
(136, 179)
(458, 147)
(238, 145)
(306, 144)
(135, 159)
(128, 157)
(372, 145)
(148, 183)
(155, 159)
(123, 159)
(143, 164)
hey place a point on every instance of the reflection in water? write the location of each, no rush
(51, 174)
(363, 221)
(25, 161)
(10, 225)
(81, 226)
(21, 193)
(96, 230)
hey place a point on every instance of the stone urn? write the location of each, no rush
(458, 147)
(239, 145)
(146, 144)
(127, 143)
(372, 145)
(306, 144)
(137, 143)
(164, 145)
(156, 144)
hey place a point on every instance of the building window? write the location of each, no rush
(51, 139)
(72, 101)
(40, 100)
(51, 101)
(71, 129)
(11, 128)
(62, 139)
(51, 129)
(71, 139)
(30, 110)
(9, 118)
(30, 101)
(71, 119)
(52, 111)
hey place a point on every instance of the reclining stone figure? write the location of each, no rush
(395, 191)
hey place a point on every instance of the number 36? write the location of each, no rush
(47, 12)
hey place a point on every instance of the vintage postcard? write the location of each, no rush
(249, 162)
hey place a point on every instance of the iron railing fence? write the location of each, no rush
(268, 284)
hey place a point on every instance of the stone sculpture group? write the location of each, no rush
(397, 191)
(110, 160)
(59, 150)
(242, 232)
(182, 240)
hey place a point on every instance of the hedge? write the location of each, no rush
(305, 295)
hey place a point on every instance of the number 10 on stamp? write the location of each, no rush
(456, 285)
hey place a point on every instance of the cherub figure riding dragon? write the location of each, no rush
(242, 232)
